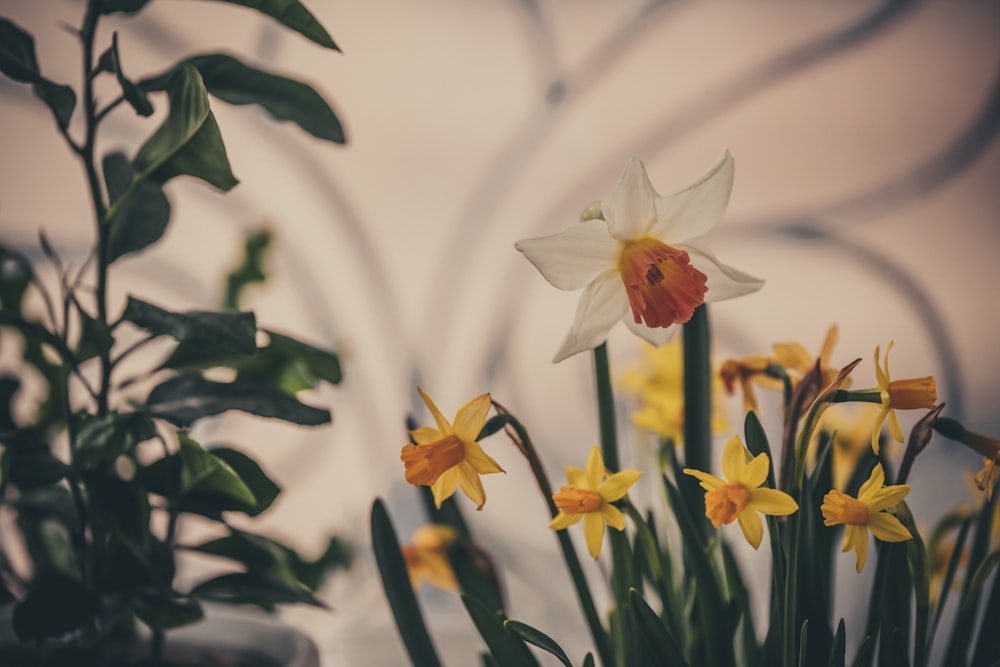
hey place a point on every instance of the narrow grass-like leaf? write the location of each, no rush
(662, 646)
(506, 648)
(838, 649)
(537, 638)
(399, 591)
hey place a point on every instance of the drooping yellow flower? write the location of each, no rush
(986, 478)
(427, 557)
(449, 456)
(911, 394)
(748, 372)
(588, 496)
(659, 384)
(866, 512)
(631, 258)
(740, 496)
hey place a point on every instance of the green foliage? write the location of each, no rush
(97, 482)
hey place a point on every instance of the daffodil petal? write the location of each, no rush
(425, 435)
(886, 497)
(752, 526)
(657, 336)
(617, 485)
(593, 530)
(563, 520)
(445, 486)
(595, 468)
(733, 459)
(755, 472)
(576, 477)
(772, 502)
(572, 258)
(860, 545)
(881, 377)
(724, 281)
(442, 423)
(601, 306)
(470, 418)
(471, 484)
(874, 482)
(709, 482)
(793, 355)
(895, 430)
(888, 528)
(482, 462)
(630, 209)
(698, 207)
(612, 516)
(877, 428)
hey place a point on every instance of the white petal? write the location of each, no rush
(724, 282)
(630, 209)
(698, 207)
(657, 336)
(572, 258)
(601, 305)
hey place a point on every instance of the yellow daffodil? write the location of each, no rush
(748, 371)
(866, 512)
(911, 394)
(427, 557)
(740, 496)
(588, 496)
(448, 455)
(629, 258)
(986, 478)
(659, 384)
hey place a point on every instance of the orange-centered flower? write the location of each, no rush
(428, 557)
(631, 258)
(865, 512)
(911, 394)
(448, 456)
(739, 497)
(588, 496)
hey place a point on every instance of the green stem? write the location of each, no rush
(606, 408)
(697, 410)
(857, 396)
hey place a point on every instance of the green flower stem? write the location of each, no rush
(523, 443)
(857, 396)
(697, 410)
(606, 408)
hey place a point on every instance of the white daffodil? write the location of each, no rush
(634, 258)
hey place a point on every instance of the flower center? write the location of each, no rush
(724, 504)
(425, 463)
(662, 286)
(913, 394)
(838, 508)
(572, 500)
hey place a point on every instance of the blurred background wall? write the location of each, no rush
(866, 194)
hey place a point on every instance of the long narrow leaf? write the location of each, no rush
(663, 648)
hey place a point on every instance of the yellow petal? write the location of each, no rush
(439, 419)
(877, 428)
(709, 482)
(593, 530)
(595, 468)
(426, 435)
(733, 459)
(617, 485)
(873, 484)
(753, 528)
(755, 472)
(888, 528)
(895, 430)
(471, 484)
(480, 460)
(470, 418)
(612, 516)
(860, 545)
(445, 486)
(772, 502)
(563, 520)
(576, 477)
(886, 497)
(828, 344)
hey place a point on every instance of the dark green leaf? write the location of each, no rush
(185, 399)
(838, 650)
(205, 473)
(221, 333)
(126, 6)
(55, 605)
(292, 14)
(257, 553)
(105, 438)
(537, 638)
(263, 489)
(95, 337)
(398, 590)
(163, 478)
(132, 93)
(337, 555)
(250, 270)
(661, 644)
(30, 464)
(506, 648)
(188, 142)
(235, 82)
(142, 219)
(313, 362)
(129, 567)
(256, 588)
(165, 613)
(17, 61)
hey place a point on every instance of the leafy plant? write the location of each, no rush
(95, 481)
